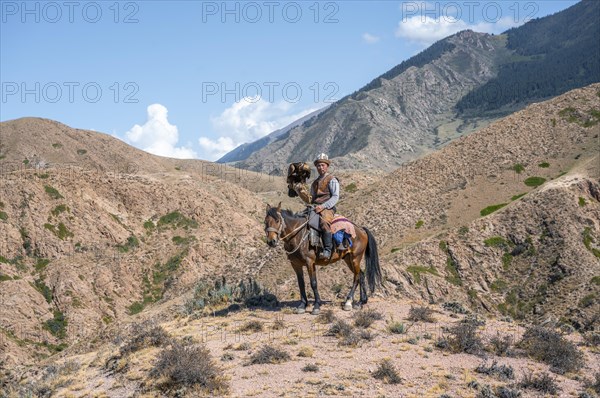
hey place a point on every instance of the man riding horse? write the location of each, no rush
(325, 193)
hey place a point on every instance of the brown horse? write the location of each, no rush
(293, 230)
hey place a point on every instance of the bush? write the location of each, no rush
(507, 392)
(464, 338)
(550, 347)
(310, 367)
(145, 334)
(503, 372)
(188, 366)
(365, 318)
(455, 308)
(387, 372)
(306, 352)
(396, 327)
(326, 316)
(542, 383)
(269, 354)
(340, 328)
(420, 314)
(501, 345)
(252, 326)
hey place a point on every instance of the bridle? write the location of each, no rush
(282, 227)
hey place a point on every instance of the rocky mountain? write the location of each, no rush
(509, 213)
(454, 87)
(94, 231)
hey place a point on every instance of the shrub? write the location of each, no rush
(188, 365)
(387, 372)
(340, 328)
(534, 181)
(550, 347)
(145, 334)
(252, 326)
(507, 392)
(420, 314)
(464, 338)
(455, 307)
(54, 194)
(491, 209)
(542, 383)
(501, 345)
(544, 165)
(503, 372)
(306, 352)
(310, 367)
(269, 354)
(365, 318)
(396, 327)
(518, 168)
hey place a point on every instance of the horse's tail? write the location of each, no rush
(372, 260)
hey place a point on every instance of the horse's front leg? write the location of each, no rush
(303, 299)
(312, 273)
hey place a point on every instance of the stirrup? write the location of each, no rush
(323, 256)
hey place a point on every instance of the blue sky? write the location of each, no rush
(194, 79)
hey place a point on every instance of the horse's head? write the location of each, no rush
(274, 224)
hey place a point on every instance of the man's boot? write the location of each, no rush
(327, 245)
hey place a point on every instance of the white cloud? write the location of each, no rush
(158, 136)
(370, 39)
(427, 30)
(247, 121)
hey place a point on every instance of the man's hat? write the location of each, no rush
(323, 158)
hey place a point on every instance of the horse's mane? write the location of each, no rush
(286, 213)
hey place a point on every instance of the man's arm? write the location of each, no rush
(334, 188)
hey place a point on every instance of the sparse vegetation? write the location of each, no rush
(149, 226)
(396, 327)
(455, 307)
(421, 314)
(57, 325)
(499, 286)
(327, 316)
(582, 202)
(53, 192)
(417, 270)
(490, 209)
(178, 240)
(502, 372)
(310, 367)
(588, 241)
(534, 181)
(350, 188)
(518, 196)
(269, 354)
(132, 243)
(387, 372)
(145, 334)
(463, 337)
(59, 209)
(81, 151)
(306, 352)
(543, 383)
(501, 345)
(186, 365)
(518, 168)
(497, 241)
(3, 216)
(57, 145)
(587, 300)
(550, 347)
(44, 290)
(595, 280)
(176, 220)
(41, 264)
(365, 317)
(419, 224)
(252, 326)
(62, 232)
(544, 165)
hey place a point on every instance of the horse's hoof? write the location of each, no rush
(316, 311)
(348, 307)
(300, 310)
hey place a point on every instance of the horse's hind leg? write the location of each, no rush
(350, 297)
(363, 289)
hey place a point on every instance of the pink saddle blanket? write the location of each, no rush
(340, 222)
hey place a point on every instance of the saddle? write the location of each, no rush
(341, 228)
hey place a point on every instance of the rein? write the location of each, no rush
(283, 238)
